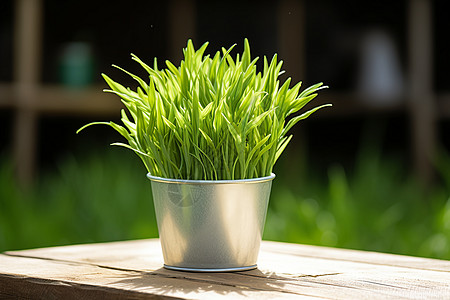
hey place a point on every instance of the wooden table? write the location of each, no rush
(133, 270)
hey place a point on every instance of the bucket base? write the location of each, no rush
(238, 269)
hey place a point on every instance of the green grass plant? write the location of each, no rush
(211, 118)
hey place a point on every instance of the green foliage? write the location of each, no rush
(212, 117)
(375, 207)
(104, 197)
(99, 198)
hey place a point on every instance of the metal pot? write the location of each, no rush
(211, 225)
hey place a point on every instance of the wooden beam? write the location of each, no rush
(27, 42)
(291, 38)
(291, 49)
(422, 107)
(182, 26)
(27, 71)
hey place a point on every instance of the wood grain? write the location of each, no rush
(133, 269)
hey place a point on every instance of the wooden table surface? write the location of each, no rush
(133, 270)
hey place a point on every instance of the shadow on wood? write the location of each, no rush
(163, 281)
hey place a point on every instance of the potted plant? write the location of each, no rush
(209, 133)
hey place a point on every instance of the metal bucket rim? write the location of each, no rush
(227, 181)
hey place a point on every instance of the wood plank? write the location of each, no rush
(7, 95)
(291, 37)
(28, 23)
(366, 257)
(352, 105)
(60, 100)
(57, 99)
(133, 253)
(443, 105)
(421, 98)
(285, 271)
(25, 128)
(181, 27)
(25, 275)
(27, 69)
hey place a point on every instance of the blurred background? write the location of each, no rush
(371, 173)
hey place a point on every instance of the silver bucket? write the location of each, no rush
(211, 225)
